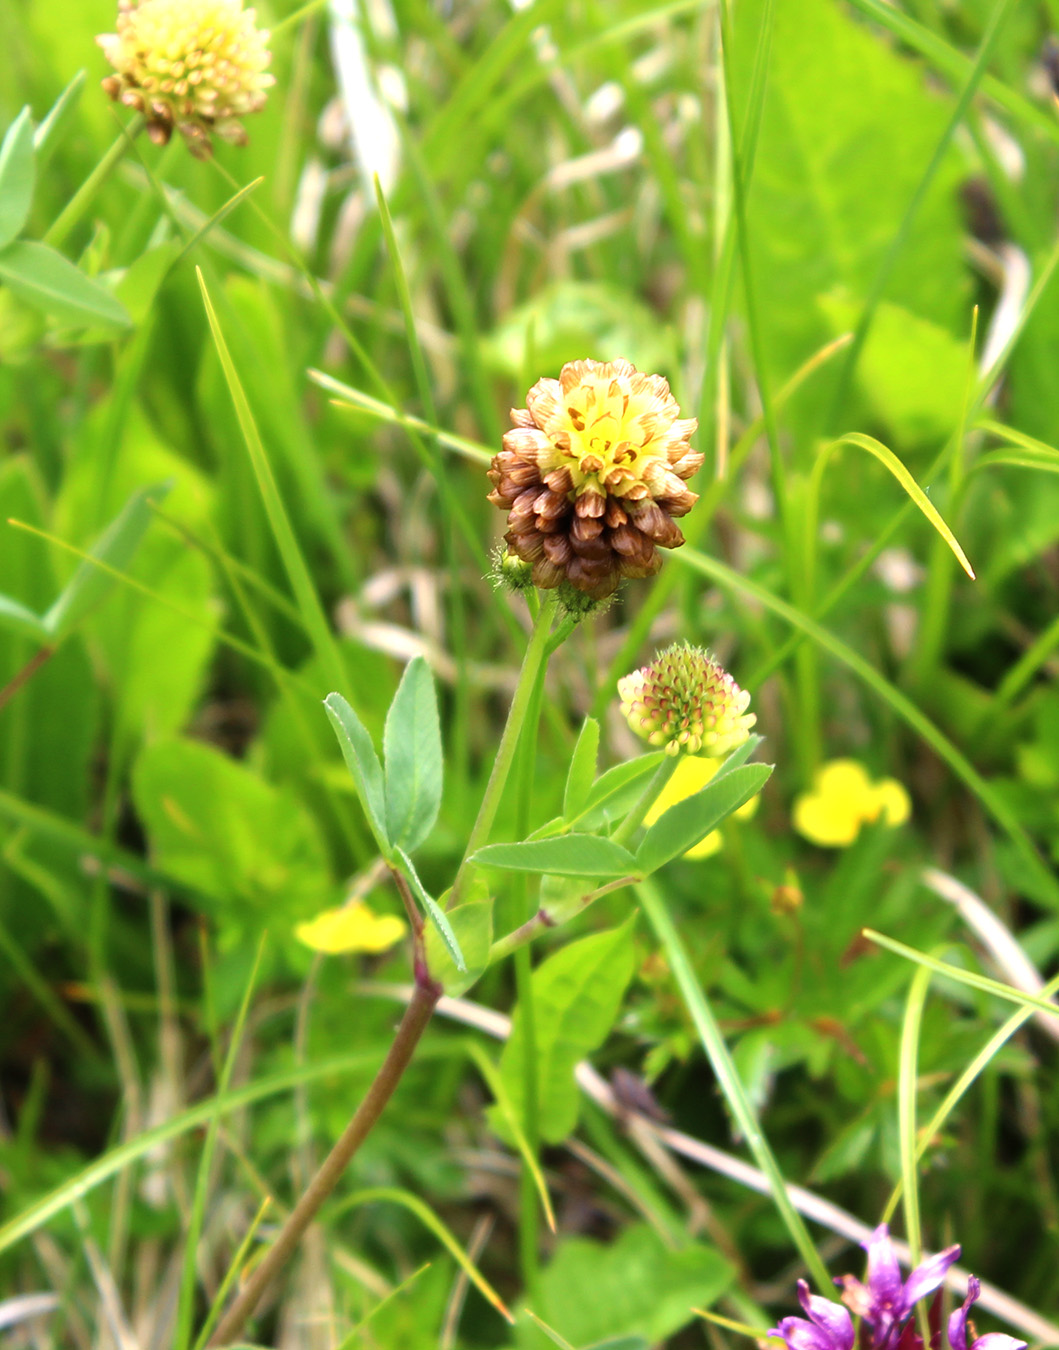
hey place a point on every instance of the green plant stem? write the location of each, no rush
(417, 1015)
(728, 1078)
(82, 198)
(505, 755)
(646, 800)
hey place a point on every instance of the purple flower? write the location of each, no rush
(829, 1326)
(885, 1302)
(992, 1340)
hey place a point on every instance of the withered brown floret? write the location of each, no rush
(592, 475)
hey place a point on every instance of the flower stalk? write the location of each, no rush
(414, 1022)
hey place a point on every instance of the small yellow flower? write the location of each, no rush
(351, 928)
(193, 65)
(842, 799)
(691, 775)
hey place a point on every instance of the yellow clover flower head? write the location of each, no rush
(592, 475)
(685, 701)
(842, 799)
(691, 775)
(351, 928)
(193, 65)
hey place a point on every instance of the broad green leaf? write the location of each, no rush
(50, 283)
(739, 755)
(823, 215)
(434, 911)
(471, 925)
(582, 771)
(46, 137)
(20, 619)
(412, 753)
(89, 584)
(216, 825)
(635, 1287)
(363, 765)
(16, 177)
(577, 994)
(567, 855)
(691, 820)
(615, 791)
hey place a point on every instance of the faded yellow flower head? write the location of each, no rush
(842, 799)
(351, 928)
(592, 475)
(193, 65)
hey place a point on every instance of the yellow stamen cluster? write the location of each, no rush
(195, 66)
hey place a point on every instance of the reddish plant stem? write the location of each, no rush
(25, 674)
(413, 1024)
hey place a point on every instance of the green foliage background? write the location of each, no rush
(716, 193)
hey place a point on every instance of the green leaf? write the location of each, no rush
(567, 855)
(46, 137)
(90, 584)
(582, 772)
(615, 791)
(434, 911)
(577, 994)
(47, 281)
(20, 619)
(471, 925)
(412, 751)
(16, 177)
(363, 765)
(691, 820)
(214, 824)
(638, 1287)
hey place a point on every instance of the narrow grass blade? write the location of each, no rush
(189, 1272)
(495, 1083)
(907, 1081)
(231, 1274)
(728, 1078)
(1035, 1002)
(893, 465)
(426, 1216)
(305, 595)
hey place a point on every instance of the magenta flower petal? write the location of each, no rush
(928, 1275)
(957, 1328)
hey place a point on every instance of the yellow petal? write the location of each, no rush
(691, 775)
(707, 847)
(832, 812)
(891, 801)
(350, 928)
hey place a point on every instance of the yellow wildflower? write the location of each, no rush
(842, 799)
(691, 775)
(193, 65)
(351, 928)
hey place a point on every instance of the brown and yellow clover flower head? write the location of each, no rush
(685, 701)
(193, 65)
(592, 475)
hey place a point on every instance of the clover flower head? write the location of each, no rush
(685, 701)
(885, 1302)
(842, 798)
(957, 1328)
(829, 1326)
(592, 475)
(193, 65)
